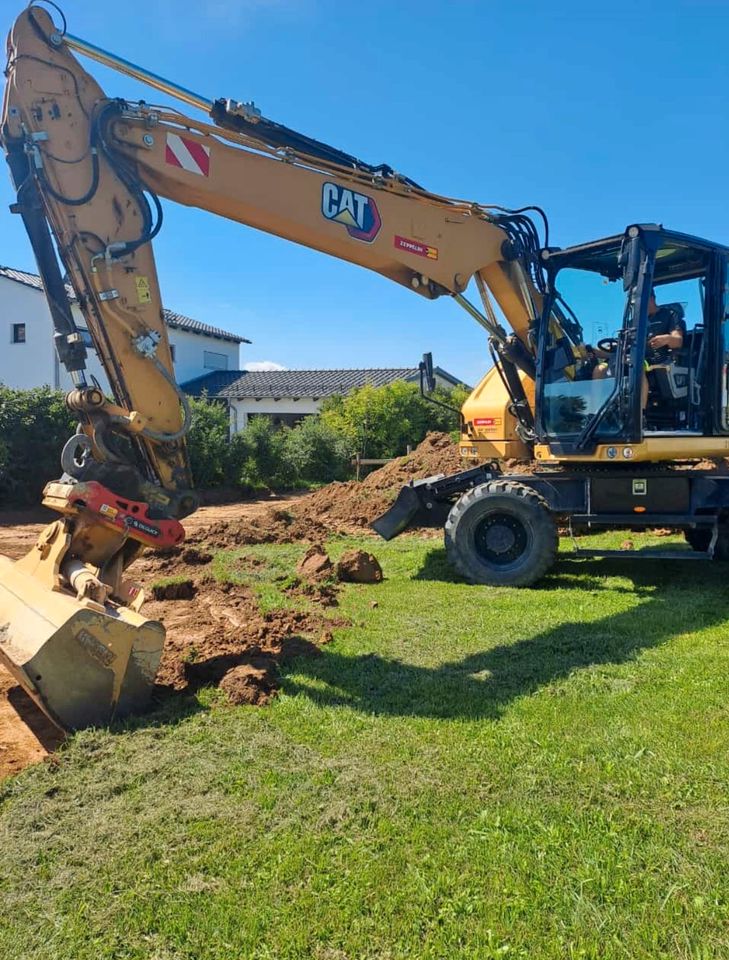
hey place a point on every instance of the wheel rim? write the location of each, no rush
(500, 539)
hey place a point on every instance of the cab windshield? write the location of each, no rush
(587, 312)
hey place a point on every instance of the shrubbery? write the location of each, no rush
(34, 426)
(382, 421)
(372, 421)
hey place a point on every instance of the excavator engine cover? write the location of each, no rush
(84, 665)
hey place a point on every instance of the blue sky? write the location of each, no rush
(604, 114)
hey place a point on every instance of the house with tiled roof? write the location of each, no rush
(287, 396)
(28, 358)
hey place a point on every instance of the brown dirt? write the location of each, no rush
(177, 590)
(315, 564)
(358, 566)
(223, 629)
(337, 508)
(26, 735)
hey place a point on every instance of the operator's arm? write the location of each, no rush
(673, 340)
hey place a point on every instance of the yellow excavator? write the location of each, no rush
(610, 424)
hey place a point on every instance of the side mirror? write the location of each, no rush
(427, 377)
(630, 261)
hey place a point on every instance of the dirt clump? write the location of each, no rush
(174, 590)
(358, 566)
(275, 525)
(251, 684)
(196, 557)
(315, 564)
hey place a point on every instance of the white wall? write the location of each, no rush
(34, 363)
(190, 349)
(29, 364)
(240, 409)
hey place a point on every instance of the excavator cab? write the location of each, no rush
(609, 388)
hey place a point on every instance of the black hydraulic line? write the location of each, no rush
(69, 346)
(507, 371)
(77, 201)
(278, 135)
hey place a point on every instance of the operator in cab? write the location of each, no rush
(666, 330)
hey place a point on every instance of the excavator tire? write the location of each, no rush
(699, 539)
(501, 534)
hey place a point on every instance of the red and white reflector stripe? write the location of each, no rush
(187, 154)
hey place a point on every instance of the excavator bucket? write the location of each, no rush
(83, 664)
(413, 504)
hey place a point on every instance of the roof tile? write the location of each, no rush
(259, 384)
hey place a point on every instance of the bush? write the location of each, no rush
(256, 459)
(382, 421)
(376, 421)
(208, 442)
(34, 426)
(315, 452)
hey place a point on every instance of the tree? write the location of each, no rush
(382, 421)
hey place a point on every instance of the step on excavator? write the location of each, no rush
(610, 359)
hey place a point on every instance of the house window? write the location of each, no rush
(172, 352)
(18, 333)
(214, 361)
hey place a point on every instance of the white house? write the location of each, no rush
(28, 358)
(287, 396)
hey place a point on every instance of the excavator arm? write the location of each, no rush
(88, 170)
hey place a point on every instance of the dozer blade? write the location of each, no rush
(82, 664)
(411, 505)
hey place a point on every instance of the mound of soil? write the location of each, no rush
(358, 566)
(339, 507)
(315, 564)
(221, 636)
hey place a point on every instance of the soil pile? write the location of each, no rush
(339, 507)
(315, 564)
(358, 566)
(221, 636)
(348, 507)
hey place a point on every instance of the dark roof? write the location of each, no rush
(175, 320)
(257, 384)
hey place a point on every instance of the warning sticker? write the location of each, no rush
(144, 294)
(188, 154)
(416, 247)
(489, 422)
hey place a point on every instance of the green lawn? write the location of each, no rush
(464, 772)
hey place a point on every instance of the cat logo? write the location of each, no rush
(355, 211)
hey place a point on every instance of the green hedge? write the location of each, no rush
(376, 422)
(34, 426)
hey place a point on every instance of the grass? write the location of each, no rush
(464, 772)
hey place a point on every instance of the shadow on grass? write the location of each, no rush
(483, 684)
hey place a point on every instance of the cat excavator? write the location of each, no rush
(89, 169)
